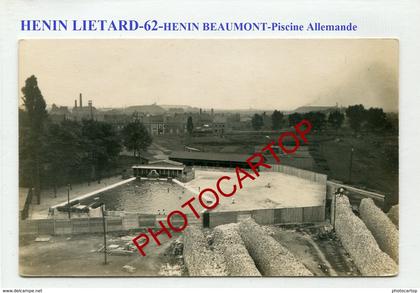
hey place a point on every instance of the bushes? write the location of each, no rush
(199, 259)
(228, 242)
(382, 228)
(271, 258)
(360, 243)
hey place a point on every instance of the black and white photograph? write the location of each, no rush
(208, 157)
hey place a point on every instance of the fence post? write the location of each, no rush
(332, 210)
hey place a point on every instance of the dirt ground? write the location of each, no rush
(78, 255)
(322, 256)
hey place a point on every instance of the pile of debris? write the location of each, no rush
(228, 242)
(271, 258)
(393, 215)
(360, 243)
(119, 246)
(169, 270)
(198, 257)
(176, 248)
(384, 231)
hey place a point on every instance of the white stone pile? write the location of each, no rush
(360, 243)
(271, 258)
(228, 242)
(384, 231)
(393, 215)
(198, 258)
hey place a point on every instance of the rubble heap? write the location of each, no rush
(271, 258)
(228, 242)
(198, 258)
(360, 243)
(384, 231)
(393, 215)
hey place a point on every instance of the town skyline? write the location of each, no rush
(219, 74)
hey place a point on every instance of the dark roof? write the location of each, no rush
(207, 156)
(165, 163)
(307, 109)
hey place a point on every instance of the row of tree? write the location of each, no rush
(276, 120)
(372, 119)
(53, 154)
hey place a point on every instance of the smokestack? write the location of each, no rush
(75, 103)
(90, 108)
(80, 101)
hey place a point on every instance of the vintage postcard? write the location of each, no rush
(208, 157)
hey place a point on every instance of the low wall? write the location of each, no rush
(86, 225)
(360, 243)
(271, 216)
(198, 258)
(271, 258)
(384, 231)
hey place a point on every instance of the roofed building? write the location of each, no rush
(228, 160)
(164, 169)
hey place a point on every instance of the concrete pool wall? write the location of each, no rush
(123, 220)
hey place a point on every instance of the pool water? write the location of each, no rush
(149, 197)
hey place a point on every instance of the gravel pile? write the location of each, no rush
(384, 231)
(228, 242)
(393, 215)
(198, 258)
(360, 243)
(271, 258)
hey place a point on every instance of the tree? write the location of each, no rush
(101, 144)
(317, 119)
(356, 115)
(190, 125)
(294, 119)
(136, 138)
(267, 122)
(257, 121)
(336, 119)
(277, 120)
(25, 159)
(35, 108)
(65, 152)
(376, 119)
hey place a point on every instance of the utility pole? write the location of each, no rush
(68, 199)
(351, 163)
(333, 208)
(104, 225)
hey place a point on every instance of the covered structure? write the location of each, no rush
(227, 160)
(162, 169)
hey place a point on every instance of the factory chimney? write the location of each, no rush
(90, 109)
(80, 101)
(75, 103)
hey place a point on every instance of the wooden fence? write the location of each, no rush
(86, 225)
(299, 215)
(304, 174)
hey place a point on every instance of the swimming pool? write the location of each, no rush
(150, 197)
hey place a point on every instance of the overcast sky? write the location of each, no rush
(229, 74)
